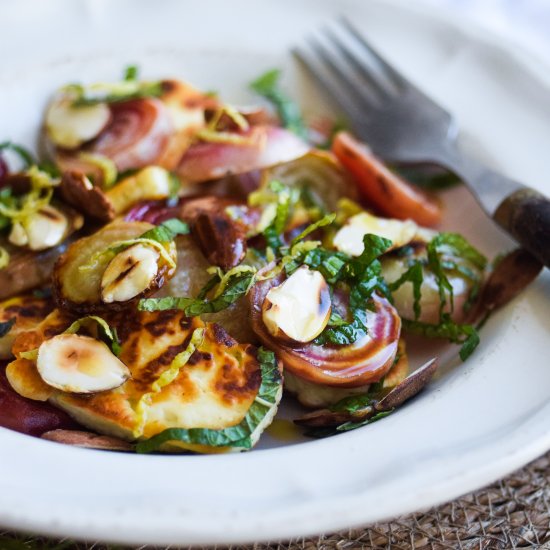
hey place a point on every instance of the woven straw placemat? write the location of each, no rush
(512, 513)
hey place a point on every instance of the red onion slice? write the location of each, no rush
(268, 146)
(137, 134)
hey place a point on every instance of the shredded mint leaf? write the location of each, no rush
(286, 200)
(322, 432)
(329, 263)
(267, 85)
(458, 334)
(461, 247)
(373, 247)
(105, 331)
(348, 426)
(354, 403)
(236, 287)
(10, 202)
(167, 231)
(363, 287)
(208, 287)
(6, 326)
(243, 434)
(414, 275)
(50, 169)
(344, 334)
(24, 154)
(326, 220)
(470, 343)
(363, 276)
(336, 320)
(116, 347)
(162, 304)
(450, 243)
(142, 90)
(131, 72)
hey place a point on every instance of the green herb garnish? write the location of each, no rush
(237, 283)
(267, 85)
(125, 90)
(414, 275)
(326, 220)
(362, 275)
(131, 72)
(24, 154)
(286, 199)
(441, 251)
(458, 334)
(167, 231)
(328, 431)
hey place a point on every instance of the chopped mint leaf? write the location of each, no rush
(267, 85)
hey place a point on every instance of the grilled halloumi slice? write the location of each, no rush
(211, 393)
(27, 311)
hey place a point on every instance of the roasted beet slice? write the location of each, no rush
(27, 416)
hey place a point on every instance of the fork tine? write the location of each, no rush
(363, 95)
(335, 90)
(382, 86)
(398, 79)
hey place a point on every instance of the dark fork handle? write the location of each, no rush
(525, 214)
(521, 211)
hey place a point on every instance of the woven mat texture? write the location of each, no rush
(512, 513)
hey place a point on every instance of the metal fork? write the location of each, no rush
(403, 125)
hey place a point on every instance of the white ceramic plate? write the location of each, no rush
(476, 422)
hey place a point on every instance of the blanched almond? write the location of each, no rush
(69, 127)
(129, 273)
(45, 228)
(299, 307)
(79, 364)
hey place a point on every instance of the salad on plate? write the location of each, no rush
(172, 266)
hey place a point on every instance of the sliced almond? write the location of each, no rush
(79, 364)
(300, 307)
(129, 273)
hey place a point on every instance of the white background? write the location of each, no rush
(524, 21)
